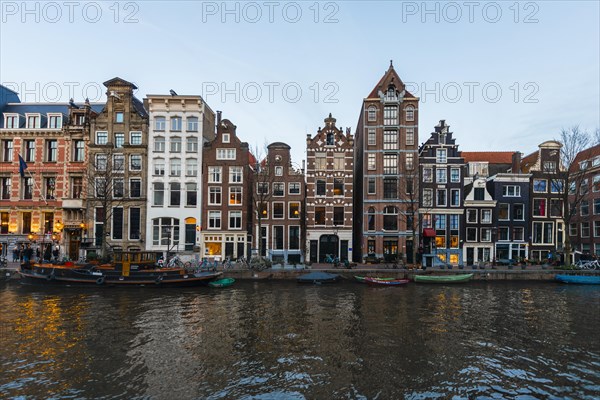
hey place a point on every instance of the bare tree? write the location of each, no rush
(262, 189)
(597, 136)
(410, 216)
(568, 179)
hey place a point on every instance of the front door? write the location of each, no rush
(328, 245)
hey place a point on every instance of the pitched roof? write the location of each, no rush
(43, 109)
(586, 154)
(529, 161)
(492, 157)
(389, 76)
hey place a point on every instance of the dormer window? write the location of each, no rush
(54, 121)
(80, 119)
(330, 138)
(33, 121)
(391, 93)
(11, 121)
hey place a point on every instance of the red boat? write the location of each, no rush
(386, 282)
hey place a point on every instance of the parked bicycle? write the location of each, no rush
(175, 262)
(227, 264)
(330, 258)
(588, 264)
(242, 262)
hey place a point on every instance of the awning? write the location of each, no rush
(428, 232)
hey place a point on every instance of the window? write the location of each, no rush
(226, 138)
(390, 188)
(101, 137)
(370, 162)
(518, 233)
(26, 220)
(159, 167)
(159, 123)
(100, 186)
(214, 195)
(294, 237)
(33, 121)
(76, 187)
(235, 195)
(135, 138)
(338, 216)
(596, 183)
(471, 216)
(371, 185)
(191, 145)
(214, 174)
(486, 216)
(262, 188)
(556, 186)
(175, 167)
(454, 222)
(214, 220)
(118, 187)
(192, 124)
(119, 140)
(235, 220)
(503, 212)
(294, 210)
(175, 123)
(503, 233)
(278, 237)
(118, 162)
(50, 187)
(573, 229)
(134, 223)
(584, 208)
(278, 210)
(371, 137)
(455, 197)
(29, 155)
(543, 232)
(427, 174)
(191, 167)
(597, 206)
(338, 186)
(135, 162)
(278, 189)
(539, 207)
(486, 234)
(135, 188)
(338, 162)
(174, 194)
(409, 161)
(117, 223)
(410, 136)
(390, 115)
(119, 117)
(454, 175)
(225, 154)
(442, 201)
(371, 219)
(51, 150)
(321, 187)
(596, 228)
(441, 156)
(410, 113)
(330, 138)
(441, 175)
(583, 188)
(319, 215)
(518, 213)
(235, 174)
(540, 185)
(294, 188)
(479, 194)
(427, 197)
(6, 182)
(372, 114)
(158, 188)
(78, 150)
(159, 144)
(165, 232)
(11, 121)
(511, 191)
(390, 218)
(320, 161)
(549, 166)
(175, 144)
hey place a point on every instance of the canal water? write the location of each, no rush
(270, 340)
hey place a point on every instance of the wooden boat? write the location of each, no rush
(128, 269)
(361, 279)
(318, 277)
(385, 281)
(221, 283)
(443, 278)
(580, 279)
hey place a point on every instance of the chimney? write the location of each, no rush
(218, 117)
(516, 162)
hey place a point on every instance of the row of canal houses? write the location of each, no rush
(166, 173)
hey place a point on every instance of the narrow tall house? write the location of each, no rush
(179, 126)
(118, 171)
(386, 171)
(330, 191)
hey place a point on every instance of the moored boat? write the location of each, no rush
(361, 279)
(128, 269)
(580, 279)
(221, 283)
(318, 277)
(443, 278)
(385, 281)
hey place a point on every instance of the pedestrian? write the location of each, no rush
(27, 254)
(15, 254)
(55, 253)
(48, 253)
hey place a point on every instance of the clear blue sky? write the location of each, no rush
(250, 59)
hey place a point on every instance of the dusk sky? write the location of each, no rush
(504, 75)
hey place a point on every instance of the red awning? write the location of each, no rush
(428, 232)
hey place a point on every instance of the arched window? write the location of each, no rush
(390, 218)
(391, 93)
(372, 113)
(410, 113)
(371, 219)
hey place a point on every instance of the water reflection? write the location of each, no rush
(278, 340)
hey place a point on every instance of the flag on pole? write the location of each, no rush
(22, 166)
